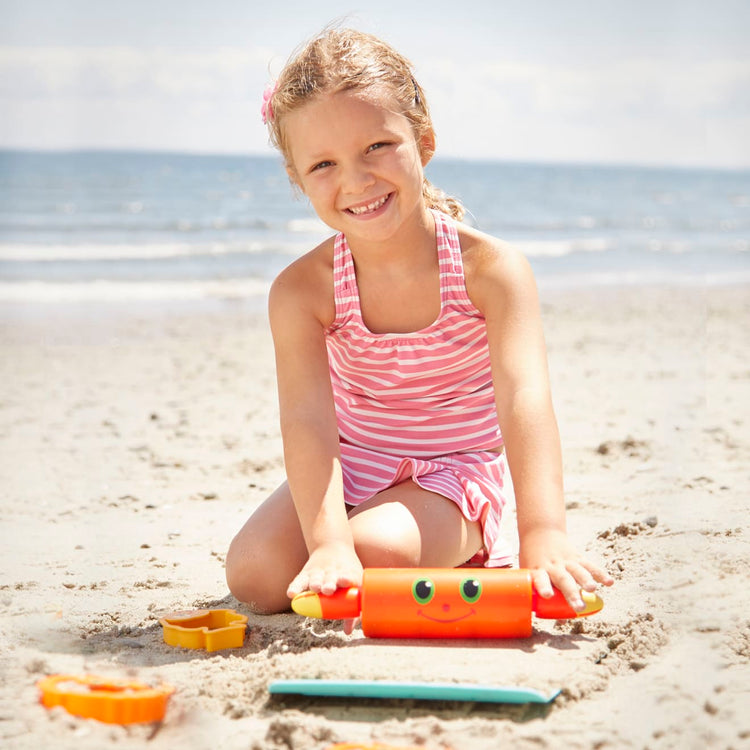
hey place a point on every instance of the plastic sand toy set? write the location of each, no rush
(392, 603)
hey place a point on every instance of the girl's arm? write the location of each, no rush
(309, 431)
(501, 284)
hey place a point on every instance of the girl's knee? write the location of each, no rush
(261, 562)
(408, 527)
(387, 556)
(265, 555)
(250, 579)
(239, 570)
(399, 548)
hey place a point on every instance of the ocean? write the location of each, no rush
(118, 226)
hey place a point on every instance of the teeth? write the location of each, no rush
(359, 210)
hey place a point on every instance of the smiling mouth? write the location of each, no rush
(369, 208)
(446, 621)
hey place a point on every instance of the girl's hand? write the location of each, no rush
(555, 562)
(330, 566)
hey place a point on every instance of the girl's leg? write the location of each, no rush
(408, 526)
(266, 554)
(403, 526)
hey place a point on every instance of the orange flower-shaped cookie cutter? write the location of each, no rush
(209, 629)
(110, 701)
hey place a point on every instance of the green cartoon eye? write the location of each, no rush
(471, 590)
(423, 590)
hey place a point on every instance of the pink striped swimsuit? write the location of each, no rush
(419, 405)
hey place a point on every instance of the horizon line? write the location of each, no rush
(541, 162)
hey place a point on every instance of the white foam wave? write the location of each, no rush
(145, 251)
(117, 291)
(561, 248)
(648, 277)
(308, 226)
(141, 251)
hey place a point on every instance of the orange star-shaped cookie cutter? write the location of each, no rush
(209, 629)
(110, 701)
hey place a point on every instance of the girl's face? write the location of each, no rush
(357, 160)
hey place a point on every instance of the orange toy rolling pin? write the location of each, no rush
(443, 603)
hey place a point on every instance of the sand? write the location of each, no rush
(135, 442)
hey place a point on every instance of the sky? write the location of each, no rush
(651, 82)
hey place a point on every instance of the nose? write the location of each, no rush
(356, 178)
(446, 607)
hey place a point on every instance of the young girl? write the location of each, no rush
(410, 358)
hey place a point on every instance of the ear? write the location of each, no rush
(427, 146)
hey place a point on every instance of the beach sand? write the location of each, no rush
(134, 444)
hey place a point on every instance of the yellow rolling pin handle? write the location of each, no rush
(557, 607)
(344, 604)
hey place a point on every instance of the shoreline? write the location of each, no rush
(549, 286)
(137, 439)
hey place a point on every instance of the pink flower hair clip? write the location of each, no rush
(266, 109)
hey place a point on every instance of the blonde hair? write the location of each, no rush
(346, 60)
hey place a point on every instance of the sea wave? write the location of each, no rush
(560, 248)
(308, 226)
(70, 223)
(27, 252)
(651, 277)
(23, 252)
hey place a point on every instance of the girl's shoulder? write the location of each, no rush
(307, 284)
(492, 266)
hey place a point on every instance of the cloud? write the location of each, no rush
(128, 73)
(128, 97)
(648, 110)
(627, 86)
(635, 109)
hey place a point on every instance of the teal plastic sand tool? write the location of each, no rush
(438, 691)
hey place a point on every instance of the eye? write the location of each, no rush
(423, 590)
(376, 146)
(321, 165)
(471, 590)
